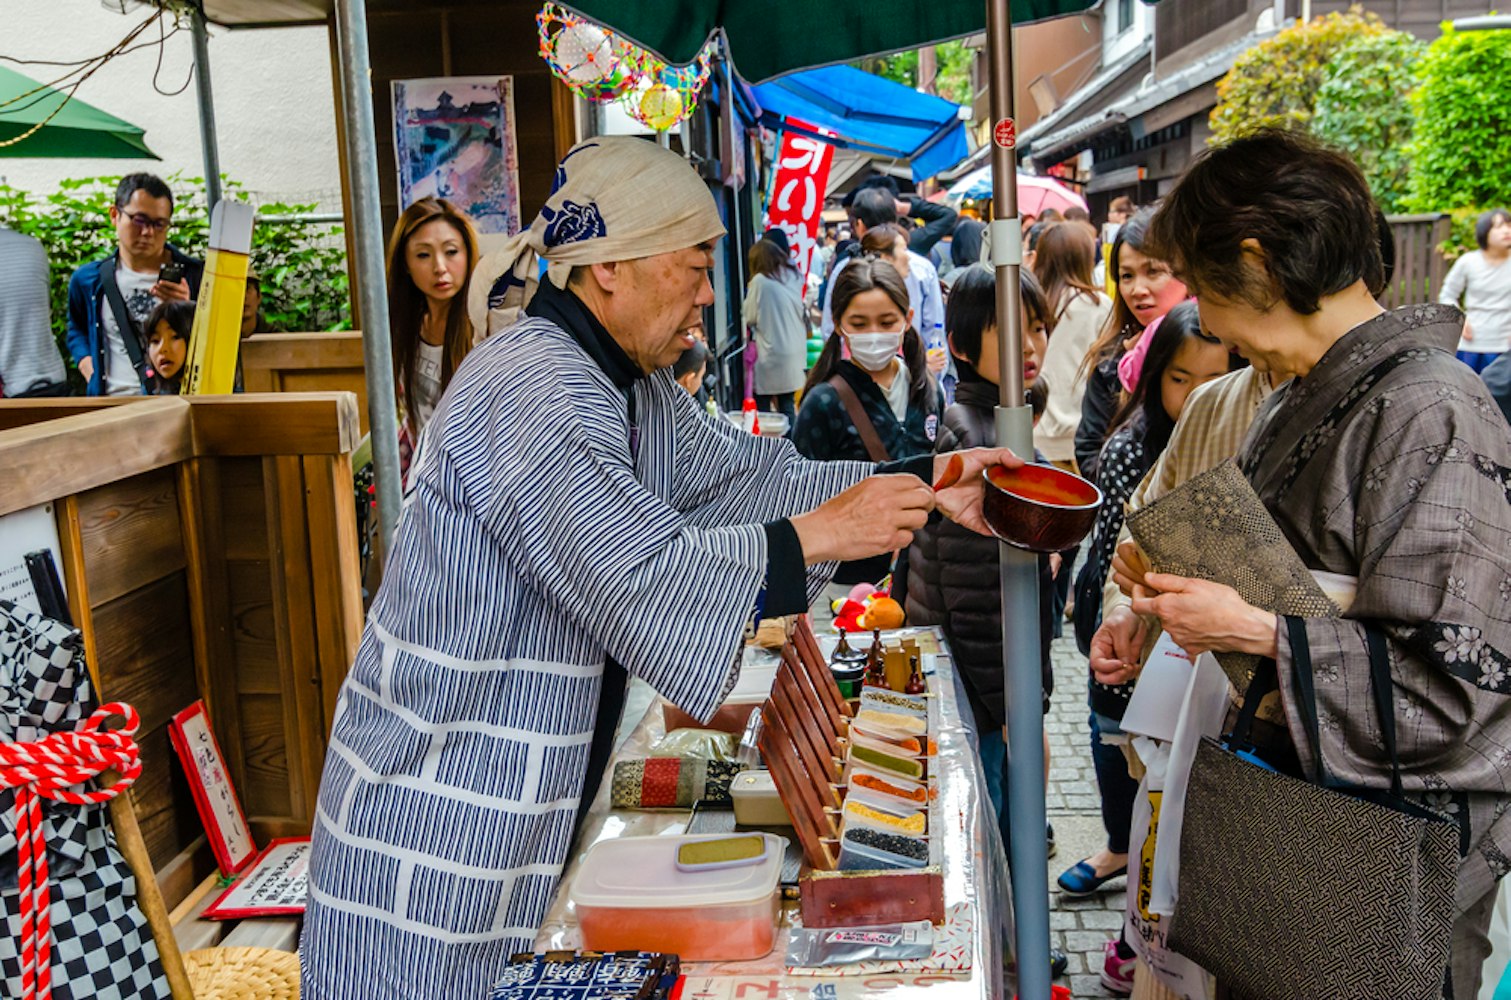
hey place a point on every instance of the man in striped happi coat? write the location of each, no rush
(571, 515)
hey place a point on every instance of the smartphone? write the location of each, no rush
(171, 273)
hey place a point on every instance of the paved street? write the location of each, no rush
(1080, 926)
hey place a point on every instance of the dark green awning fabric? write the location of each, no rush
(79, 130)
(770, 37)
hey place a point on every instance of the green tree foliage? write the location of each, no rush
(302, 265)
(1275, 83)
(952, 79)
(1462, 150)
(1364, 109)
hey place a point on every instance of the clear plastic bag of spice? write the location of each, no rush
(820, 946)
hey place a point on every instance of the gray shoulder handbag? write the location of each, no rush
(1295, 889)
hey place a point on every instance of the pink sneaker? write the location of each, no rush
(1117, 973)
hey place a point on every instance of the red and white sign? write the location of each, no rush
(276, 884)
(210, 782)
(797, 196)
(1005, 134)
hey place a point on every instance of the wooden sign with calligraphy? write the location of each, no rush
(219, 808)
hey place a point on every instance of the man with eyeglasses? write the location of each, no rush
(109, 300)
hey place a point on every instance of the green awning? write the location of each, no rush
(770, 37)
(79, 130)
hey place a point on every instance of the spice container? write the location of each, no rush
(630, 896)
(854, 855)
(756, 800)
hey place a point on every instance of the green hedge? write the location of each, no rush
(302, 266)
(1462, 149)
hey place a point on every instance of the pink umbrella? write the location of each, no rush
(1035, 193)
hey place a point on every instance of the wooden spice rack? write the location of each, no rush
(805, 740)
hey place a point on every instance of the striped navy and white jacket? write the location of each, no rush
(532, 546)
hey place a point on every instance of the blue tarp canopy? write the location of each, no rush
(869, 114)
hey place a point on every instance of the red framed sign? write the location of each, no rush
(219, 808)
(275, 884)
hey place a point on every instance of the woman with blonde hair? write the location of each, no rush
(430, 258)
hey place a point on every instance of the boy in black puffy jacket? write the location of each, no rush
(953, 577)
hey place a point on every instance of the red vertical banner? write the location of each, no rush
(797, 195)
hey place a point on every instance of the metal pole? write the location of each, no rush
(1019, 570)
(207, 138)
(367, 226)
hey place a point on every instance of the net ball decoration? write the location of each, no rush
(661, 107)
(619, 81)
(584, 53)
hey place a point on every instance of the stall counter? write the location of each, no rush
(967, 959)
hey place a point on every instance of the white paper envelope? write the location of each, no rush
(1155, 708)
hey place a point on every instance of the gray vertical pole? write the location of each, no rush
(1019, 569)
(367, 226)
(207, 137)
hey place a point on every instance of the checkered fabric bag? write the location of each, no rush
(102, 947)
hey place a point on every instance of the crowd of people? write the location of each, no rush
(130, 314)
(1236, 319)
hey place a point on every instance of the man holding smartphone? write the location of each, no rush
(109, 300)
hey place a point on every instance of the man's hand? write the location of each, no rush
(904, 207)
(1202, 616)
(961, 502)
(86, 368)
(1468, 331)
(873, 517)
(1117, 646)
(177, 291)
(1129, 567)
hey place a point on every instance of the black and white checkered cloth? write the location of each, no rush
(102, 947)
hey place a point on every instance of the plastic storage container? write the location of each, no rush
(630, 896)
(756, 800)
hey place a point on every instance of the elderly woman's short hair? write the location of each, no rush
(1307, 206)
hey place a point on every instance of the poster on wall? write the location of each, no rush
(454, 139)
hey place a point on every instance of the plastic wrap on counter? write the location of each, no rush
(815, 947)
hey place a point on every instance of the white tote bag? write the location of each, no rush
(1174, 704)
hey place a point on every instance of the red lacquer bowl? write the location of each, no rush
(1039, 507)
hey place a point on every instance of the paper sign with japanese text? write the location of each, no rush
(219, 808)
(276, 884)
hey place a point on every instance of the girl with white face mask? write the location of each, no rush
(879, 403)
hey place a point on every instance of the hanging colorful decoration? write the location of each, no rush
(598, 65)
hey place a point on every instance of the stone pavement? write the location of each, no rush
(1080, 926)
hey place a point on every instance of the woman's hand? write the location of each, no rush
(1117, 646)
(961, 502)
(1202, 616)
(1129, 565)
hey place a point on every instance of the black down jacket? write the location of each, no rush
(952, 574)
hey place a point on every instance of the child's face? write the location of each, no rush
(167, 350)
(1195, 364)
(1035, 340)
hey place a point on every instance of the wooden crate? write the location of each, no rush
(209, 549)
(306, 362)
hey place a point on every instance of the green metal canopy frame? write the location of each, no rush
(74, 129)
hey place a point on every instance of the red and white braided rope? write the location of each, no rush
(50, 769)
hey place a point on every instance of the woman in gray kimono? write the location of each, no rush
(1385, 460)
